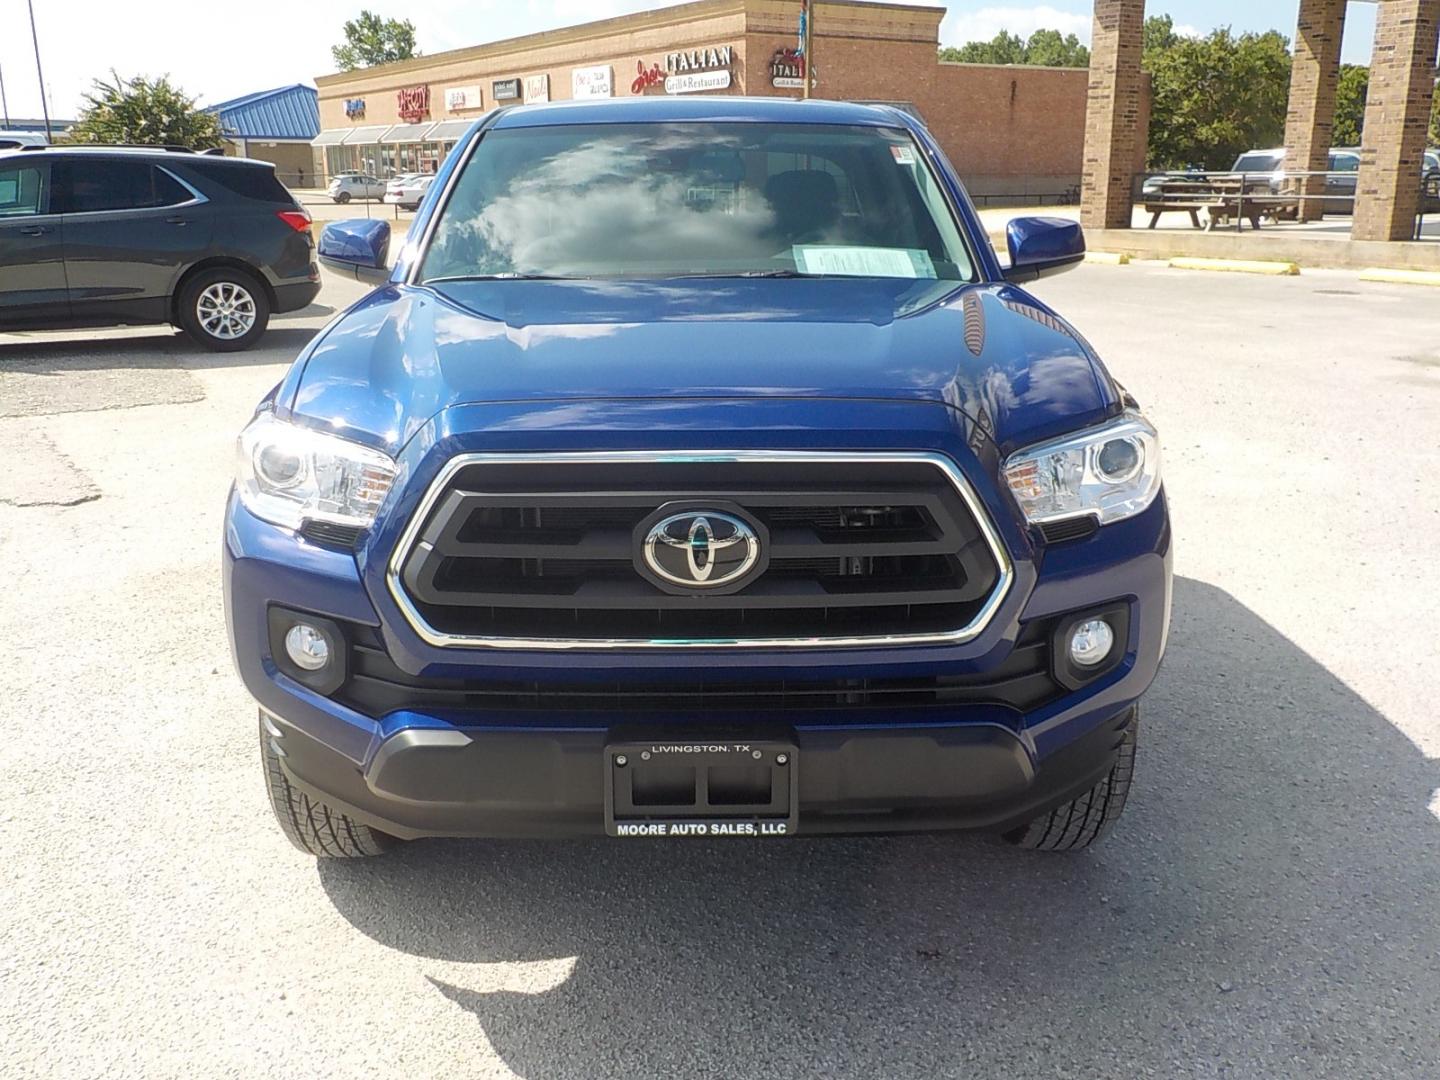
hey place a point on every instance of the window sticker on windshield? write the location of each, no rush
(903, 155)
(863, 261)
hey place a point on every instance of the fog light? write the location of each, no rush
(1089, 644)
(308, 647)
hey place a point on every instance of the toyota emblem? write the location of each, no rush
(701, 549)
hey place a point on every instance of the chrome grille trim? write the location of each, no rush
(1004, 578)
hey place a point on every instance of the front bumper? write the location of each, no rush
(499, 782)
(510, 772)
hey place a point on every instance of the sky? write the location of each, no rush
(217, 52)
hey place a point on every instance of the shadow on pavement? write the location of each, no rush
(160, 346)
(1266, 907)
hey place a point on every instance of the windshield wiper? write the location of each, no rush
(745, 274)
(514, 276)
(505, 276)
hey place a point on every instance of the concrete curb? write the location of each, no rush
(1268, 245)
(1107, 258)
(1400, 277)
(1238, 266)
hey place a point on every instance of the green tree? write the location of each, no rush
(142, 111)
(1215, 97)
(1049, 48)
(1045, 48)
(371, 40)
(1159, 34)
(1003, 48)
(1350, 94)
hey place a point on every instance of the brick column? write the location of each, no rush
(1310, 121)
(1114, 141)
(1397, 113)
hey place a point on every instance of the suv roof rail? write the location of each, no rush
(168, 148)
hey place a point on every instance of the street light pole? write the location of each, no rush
(39, 72)
(4, 103)
(808, 8)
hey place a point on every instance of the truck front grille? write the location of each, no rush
(543, 551)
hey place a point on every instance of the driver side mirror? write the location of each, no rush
(1041, 246)
(359, 248)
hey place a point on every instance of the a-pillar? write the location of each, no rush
(1314, 75)
(1114, 141)
(1397, 114)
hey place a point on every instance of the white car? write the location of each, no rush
(399, 181)
(406, 192)
(349, 186)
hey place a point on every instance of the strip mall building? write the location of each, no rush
(1013, 132)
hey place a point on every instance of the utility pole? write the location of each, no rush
(4, 104)
(40, 74)
(807, 16)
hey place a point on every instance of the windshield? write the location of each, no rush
(697, 199)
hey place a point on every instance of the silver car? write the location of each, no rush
(349, 186)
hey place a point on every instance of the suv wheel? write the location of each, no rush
(225, 310)
(343, 198)
(1080, 822)
(311, 825)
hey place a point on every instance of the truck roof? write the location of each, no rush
(713, 109)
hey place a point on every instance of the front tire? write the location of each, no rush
(1080, 822)
(313, 826)
(343, 198)
(223, 309)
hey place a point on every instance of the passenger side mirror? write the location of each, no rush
(1041, 246)
(358, 248)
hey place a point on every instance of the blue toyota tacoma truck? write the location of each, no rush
(696, 470)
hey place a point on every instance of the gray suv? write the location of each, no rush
(121, 236)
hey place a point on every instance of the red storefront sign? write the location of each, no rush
(647, 77)
(413, 103)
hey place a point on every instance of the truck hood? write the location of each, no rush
(405, 353)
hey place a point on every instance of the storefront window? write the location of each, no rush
(339, 159)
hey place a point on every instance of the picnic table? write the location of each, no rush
(1217, 198)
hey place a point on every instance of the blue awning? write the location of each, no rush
(288, 112)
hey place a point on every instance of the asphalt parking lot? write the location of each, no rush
(1269, 906)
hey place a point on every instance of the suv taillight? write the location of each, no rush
(299, 220)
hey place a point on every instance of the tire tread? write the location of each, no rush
(311, 825)
(1085, 819)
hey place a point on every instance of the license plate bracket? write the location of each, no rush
(701, 787)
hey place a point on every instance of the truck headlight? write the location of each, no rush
(289, 474)
(1110, 472)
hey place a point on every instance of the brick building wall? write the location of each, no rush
(1011, 131)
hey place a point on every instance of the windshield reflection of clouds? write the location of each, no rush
(594, 205)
